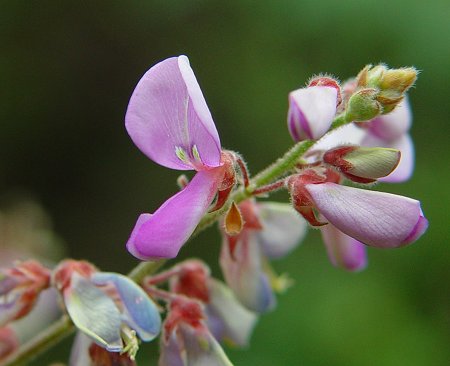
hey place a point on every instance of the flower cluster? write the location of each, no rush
(346, 137)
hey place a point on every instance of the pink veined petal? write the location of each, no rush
(311, 111)
(405, 168)
(162, 234)
(391, 126)
(168, 111)
(283, 228)
(343, 251)
(377, 219)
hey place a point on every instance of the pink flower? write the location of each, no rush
(376, 219)
(169, 121)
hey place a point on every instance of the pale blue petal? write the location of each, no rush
(140, 312)
(94, 313)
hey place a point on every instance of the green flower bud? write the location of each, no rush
(392, 84)
(363, 164)
(363, 105)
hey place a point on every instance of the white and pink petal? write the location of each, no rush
(377, 219)
(311, 112)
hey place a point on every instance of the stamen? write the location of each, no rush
(196, 154)
(181, 154)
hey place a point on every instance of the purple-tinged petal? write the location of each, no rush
(10, 306)
(377, 219)
(311, 111)
(186, 340)
(79, 355)
(162, 234)
(167, 112)
(391, 126)
(405, 168)
(139, 311)
(244, 274)
(282, 228)
(227, 319)
(170, 352)
(188, 346)
(344, 251)
(418, 230)
(201, 348)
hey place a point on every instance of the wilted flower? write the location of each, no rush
(20, 287)
(226, 318)
(271, 230)
(108, 307)
(186, 339)
(169, 121)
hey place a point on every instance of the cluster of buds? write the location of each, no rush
(377, 148)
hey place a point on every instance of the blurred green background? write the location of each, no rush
(67, 70)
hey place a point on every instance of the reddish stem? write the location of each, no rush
(244, 171)
(162, 276)
(160, 294)
(269, 188)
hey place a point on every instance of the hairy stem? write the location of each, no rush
(283, 165)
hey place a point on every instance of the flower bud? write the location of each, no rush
(363, 164)
(329, 82)
(392, 84)
(311, 111)
(363, 105)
